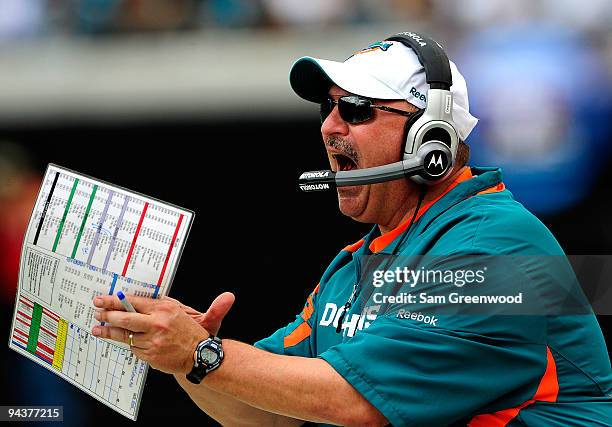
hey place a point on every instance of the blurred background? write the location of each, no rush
(184, 99)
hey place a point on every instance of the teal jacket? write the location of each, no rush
(480, 370)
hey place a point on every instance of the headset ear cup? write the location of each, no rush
(412, 120)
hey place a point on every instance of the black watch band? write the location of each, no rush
(208, 356)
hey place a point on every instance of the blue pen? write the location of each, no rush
(126, 304)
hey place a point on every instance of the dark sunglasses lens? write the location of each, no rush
(326, 108)
(354, 110)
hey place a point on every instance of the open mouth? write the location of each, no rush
(345, 163)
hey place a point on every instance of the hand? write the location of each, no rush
(164, 334)
(212, 318)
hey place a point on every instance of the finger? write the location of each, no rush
(134, 322)
(118, 334)
(112, 302)
(217, 312)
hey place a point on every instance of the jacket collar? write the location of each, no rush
(469, 183)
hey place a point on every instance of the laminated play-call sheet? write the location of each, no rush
(87, 238)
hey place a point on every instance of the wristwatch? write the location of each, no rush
(207, 357)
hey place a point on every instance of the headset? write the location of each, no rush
(430, 137)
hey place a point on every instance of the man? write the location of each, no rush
(343, 363)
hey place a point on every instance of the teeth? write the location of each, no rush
(344, 162)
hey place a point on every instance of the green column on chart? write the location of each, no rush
(34, 328)
(61, 225)
(78, 239)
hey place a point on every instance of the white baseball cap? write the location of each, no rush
(383, 70)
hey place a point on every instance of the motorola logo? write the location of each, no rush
(314, 187)
(435, 163)
(315, 174)
(414, 37)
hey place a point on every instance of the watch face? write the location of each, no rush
(209, 356)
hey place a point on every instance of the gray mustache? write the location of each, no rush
(344, 146)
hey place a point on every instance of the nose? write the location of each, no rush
(334, 125)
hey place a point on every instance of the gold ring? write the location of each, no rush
(131, 337)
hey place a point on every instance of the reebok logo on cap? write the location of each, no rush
(418, 95)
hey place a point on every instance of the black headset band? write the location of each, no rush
(431, 56)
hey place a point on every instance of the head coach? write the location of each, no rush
(395, 118)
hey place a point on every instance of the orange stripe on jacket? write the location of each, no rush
(355, 246)
(298, 335)
(547, 391)
(495, 189)
(303, 330)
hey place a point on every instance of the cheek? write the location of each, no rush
(386, 148)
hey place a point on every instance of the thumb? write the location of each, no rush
(217, 312)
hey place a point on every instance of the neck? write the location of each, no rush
(406, 209)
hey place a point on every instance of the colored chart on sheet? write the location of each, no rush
(87, 238)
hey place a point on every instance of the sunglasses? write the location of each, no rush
(355, 109)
